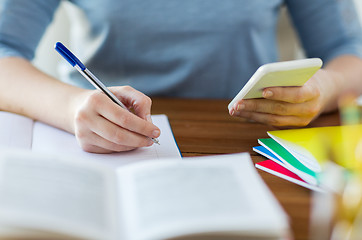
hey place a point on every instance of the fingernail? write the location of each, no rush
(156, 133)
(235, 106)
(150, 143)
(241, 106)
(268, 93)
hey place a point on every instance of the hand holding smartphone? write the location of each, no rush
(279, 74)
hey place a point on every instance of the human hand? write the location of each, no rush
(287, 106)
(101, 126)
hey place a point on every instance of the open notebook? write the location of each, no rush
(20, 132)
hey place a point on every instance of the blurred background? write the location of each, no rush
(47, 59)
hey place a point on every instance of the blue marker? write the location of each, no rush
(75, 62)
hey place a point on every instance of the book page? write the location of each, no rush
(199, 195)
(55, 141)
(45, 193)
(16, 131)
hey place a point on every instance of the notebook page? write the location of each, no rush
(52, 140)
(16, 131)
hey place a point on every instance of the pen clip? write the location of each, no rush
(68, 55)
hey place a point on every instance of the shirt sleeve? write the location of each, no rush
(22, 24)
(327, 28)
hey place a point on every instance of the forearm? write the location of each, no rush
(344, 75)
(99, 125)
(27, 91)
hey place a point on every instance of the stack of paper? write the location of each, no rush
(297, 155)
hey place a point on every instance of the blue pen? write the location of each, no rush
(75, 62)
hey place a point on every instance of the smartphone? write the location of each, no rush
(278, 74)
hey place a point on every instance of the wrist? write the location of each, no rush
(331, 86)
(76, 99)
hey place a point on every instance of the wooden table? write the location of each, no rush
(204, 127)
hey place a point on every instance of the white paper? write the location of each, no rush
(16, 131)
(55, 141)
(207, 194)
(42, 192)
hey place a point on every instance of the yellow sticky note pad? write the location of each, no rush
(342, 144)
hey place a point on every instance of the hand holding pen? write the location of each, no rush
(102, 126)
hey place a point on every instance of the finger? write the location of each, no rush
(310, 108)
(90, 141)
(276, 120)
(135, 99)
(122, 117)
(96, 149)
(118, 135)
(97, 144)
(292, 94)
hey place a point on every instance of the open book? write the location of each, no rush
(215, 197)
(19, 132)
